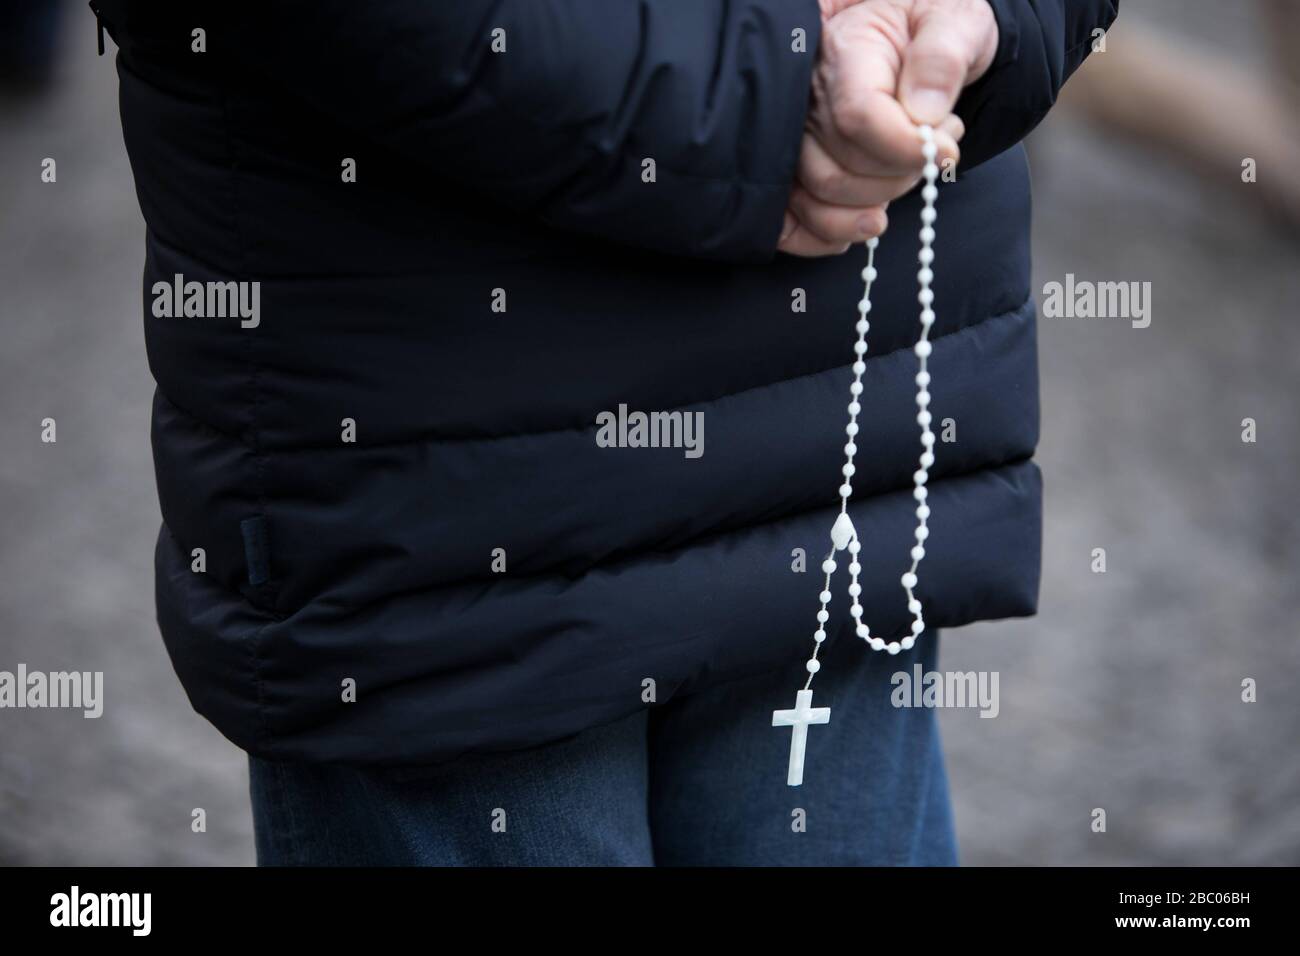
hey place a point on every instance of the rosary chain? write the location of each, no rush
(922, 349)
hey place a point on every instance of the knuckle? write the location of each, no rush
(801, 202)
(943, 62)
(828, 182)
(877, 222)
(850, 119)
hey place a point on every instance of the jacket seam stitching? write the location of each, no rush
(435, 439)
(994, 465)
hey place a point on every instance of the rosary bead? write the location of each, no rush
(923, 348)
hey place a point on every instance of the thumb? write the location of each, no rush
(950, 47)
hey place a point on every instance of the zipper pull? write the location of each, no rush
(99, 26)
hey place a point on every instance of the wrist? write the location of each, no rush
(989, 43)
(831, 7)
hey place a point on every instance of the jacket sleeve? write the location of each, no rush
(1040, 44)
(555, 107)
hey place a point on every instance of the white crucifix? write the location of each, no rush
(799, 719)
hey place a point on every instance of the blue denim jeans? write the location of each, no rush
(700, 780)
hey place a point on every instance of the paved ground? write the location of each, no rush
(1123, 694)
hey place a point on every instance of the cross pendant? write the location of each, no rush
(799, 719)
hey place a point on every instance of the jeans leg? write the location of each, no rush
(581, 801)
(875, 791)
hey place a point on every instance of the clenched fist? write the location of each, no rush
(884, 67)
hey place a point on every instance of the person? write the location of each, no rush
(417, 276)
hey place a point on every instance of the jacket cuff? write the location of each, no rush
(774, 194)
(1008, 32)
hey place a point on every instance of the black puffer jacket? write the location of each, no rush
(486, 178)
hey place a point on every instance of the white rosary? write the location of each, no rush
(843, 534)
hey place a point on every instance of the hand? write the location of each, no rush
(884, 67)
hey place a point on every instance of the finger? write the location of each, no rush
(874, 136)
(946, 136)
(866, 130)
(953, 126)
(948, 154)
(801, 242)
(832, 223)
(946, 148)
(944, 54)
(830, 182)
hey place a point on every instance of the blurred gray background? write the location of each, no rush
(1124, 693)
